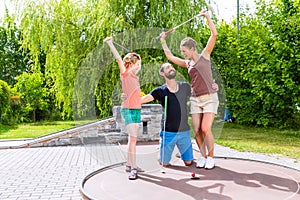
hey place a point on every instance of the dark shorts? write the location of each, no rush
(131, 115)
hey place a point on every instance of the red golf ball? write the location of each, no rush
(193, 174)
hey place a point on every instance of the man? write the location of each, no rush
(176, 130)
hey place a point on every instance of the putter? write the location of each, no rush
(163, 138)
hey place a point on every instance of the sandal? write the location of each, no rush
(128, 169)
(133, 174)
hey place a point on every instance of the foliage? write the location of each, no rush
(13, 61)
(4, 97)
(262, 84)
(67, 31)
(32, 93)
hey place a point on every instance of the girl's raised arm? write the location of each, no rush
(109, 41)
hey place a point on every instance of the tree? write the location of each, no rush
(262, 83)
(32, 93)
(4, 97)
(68, 31)
(13, 60)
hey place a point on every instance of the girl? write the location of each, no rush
(131, 106)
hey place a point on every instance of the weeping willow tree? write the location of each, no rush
(57, 29)
(70, 34)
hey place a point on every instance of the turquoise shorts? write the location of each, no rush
(131, 115)
(183, 142)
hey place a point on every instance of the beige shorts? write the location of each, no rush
(205, 103)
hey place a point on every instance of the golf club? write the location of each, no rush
(209, 8)
(163, 138)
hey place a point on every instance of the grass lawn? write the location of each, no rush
(262, 140)
(241, 138)
(37, 129)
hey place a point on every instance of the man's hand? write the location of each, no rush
(123, 96)
(215, 86)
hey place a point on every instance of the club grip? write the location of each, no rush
(165, 109)
(169, 31)
(166, 33)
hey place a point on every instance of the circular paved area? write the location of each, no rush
(239, 179)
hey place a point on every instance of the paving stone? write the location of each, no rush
(44, 172)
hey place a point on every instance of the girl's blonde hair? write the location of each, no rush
(189, 43)
(131, 58)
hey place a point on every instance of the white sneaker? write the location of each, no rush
(201, 162)
(210, 163)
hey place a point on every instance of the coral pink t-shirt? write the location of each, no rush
(131, 88)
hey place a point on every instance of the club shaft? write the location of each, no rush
(185, 22)
(164, 133)
(173, 29)
(122, 46)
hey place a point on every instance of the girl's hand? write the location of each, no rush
(204, 13)
(108, 39)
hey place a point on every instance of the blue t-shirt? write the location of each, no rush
(177, 114)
